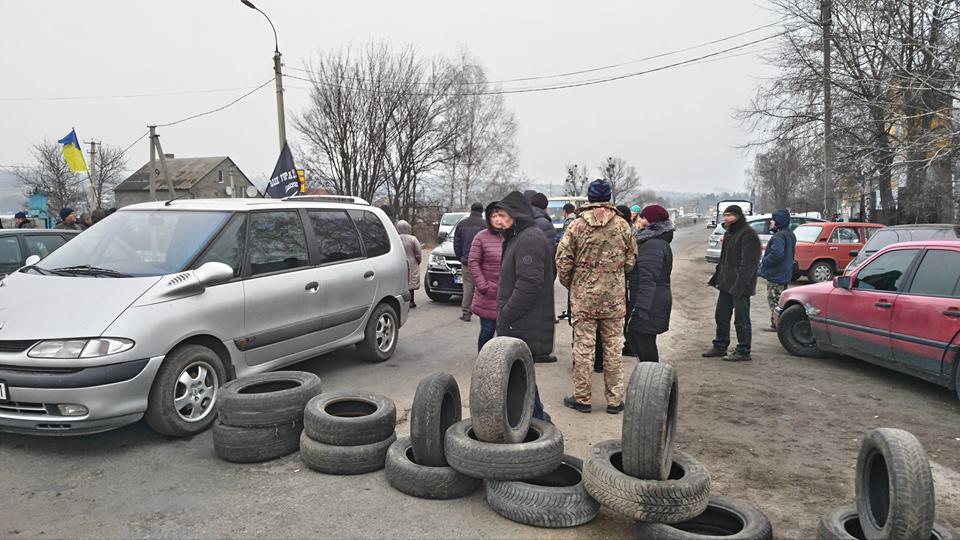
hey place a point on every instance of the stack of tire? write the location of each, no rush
(261, 416)
(347, 432)
(667, 492)
(527, 477)
(417, 465)
(895, 495)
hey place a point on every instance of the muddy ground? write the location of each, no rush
(780, 432)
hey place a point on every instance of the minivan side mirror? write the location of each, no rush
(841, 282)
(32, 260)
(854, 252)
(213, 273)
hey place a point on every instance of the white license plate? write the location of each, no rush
(3, 391)
(458, 279)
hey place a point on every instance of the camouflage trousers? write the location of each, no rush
(774, 290)
(584, 349)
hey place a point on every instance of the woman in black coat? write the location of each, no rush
(650, 283)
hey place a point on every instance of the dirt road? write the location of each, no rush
(780, 432)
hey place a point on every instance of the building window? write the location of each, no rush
(219, 177)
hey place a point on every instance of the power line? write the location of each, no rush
(127, 96)
(218, 109)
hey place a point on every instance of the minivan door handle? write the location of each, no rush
(952, 313)
(368, 274)
(312, 287)
(883, 304)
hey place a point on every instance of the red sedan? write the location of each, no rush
(900, 309)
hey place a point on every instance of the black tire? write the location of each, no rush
(169, 415)
(349, 418)
(725, 518)
(381, 334)
(843, 523)
(407, 476)
(894, 486)
(267, 399)
(556, 499)
(256, 444)
(684, 495)
(435, 296)
(649, 421)
(436, 407)
(795, 334)
(344, 460)
(502, 390)
(540, 453)
(821, 271)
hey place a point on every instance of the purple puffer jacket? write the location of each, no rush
(484, 266)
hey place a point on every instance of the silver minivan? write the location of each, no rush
(150, 311)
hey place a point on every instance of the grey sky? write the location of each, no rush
(674, 126)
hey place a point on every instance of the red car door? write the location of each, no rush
(843, 239)
(926, 319)
(858, 319)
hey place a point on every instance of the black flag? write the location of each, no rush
(284, 181)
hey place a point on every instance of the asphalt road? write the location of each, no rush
(779, 432)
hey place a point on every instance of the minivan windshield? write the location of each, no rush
(453, 218)
(136, 243)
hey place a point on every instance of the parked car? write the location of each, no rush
(16, 245)
(761, 224)
(901, 233)
(179, 297)
(824, 249)
(900, 309)
(444, 273)
(448, 222)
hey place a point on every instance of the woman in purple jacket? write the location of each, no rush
(484, 267)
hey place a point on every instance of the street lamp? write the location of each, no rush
(277, 73)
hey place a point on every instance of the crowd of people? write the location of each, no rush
(68, 219)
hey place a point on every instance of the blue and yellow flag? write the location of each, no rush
(72, 152)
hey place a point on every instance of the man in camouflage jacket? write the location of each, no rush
(593, 257)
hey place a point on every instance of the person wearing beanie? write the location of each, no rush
(635, 215)
(538, 202)
(463, 236)
(736, 279)
(68, 220)
(776, 267)
(22, 221)
(650, 297)
(593, 257)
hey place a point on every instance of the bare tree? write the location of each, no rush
(107, 171)
(575, 183)
(51, 174)
(623, 178)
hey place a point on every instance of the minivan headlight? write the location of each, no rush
(438, 261)
(79, 348)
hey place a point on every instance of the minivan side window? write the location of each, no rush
(938, 274)
(374, 235)
(10, 258)
(277, 242)
(228, 248)
(42, 245)
(886, 272)
(337, 238)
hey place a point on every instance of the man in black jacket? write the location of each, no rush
(539, 203)
(525, 292)
(736, 278)
(462, 240)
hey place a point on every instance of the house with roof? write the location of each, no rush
(193, 178)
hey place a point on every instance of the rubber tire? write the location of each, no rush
(684, 496)
(498, 461)
(422, 481)
(266, 408)
(502, 390)
(650, 421)
(368, 347)
(344, 460)
(843, 523)
(792, 316)
(546, 501)
(256, 444)
(725, 518)
(436, 407)
(327, 428)
(812, 271)
(160, 414)
(435, 296)
(894, 486)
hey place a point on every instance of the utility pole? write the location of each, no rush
(153, 162)
(91, 174)
(277, 74)
(826, 18)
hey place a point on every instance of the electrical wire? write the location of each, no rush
(127, 96)
(218, 109)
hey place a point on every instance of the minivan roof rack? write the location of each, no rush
(327, 198)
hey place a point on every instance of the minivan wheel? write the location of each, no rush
(183, 397)
(381, 334)
(820, 271)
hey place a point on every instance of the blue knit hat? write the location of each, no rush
(599, 191)
(64, 212)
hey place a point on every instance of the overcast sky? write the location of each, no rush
(675, 126)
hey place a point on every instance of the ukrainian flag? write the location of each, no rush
(72, 152)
